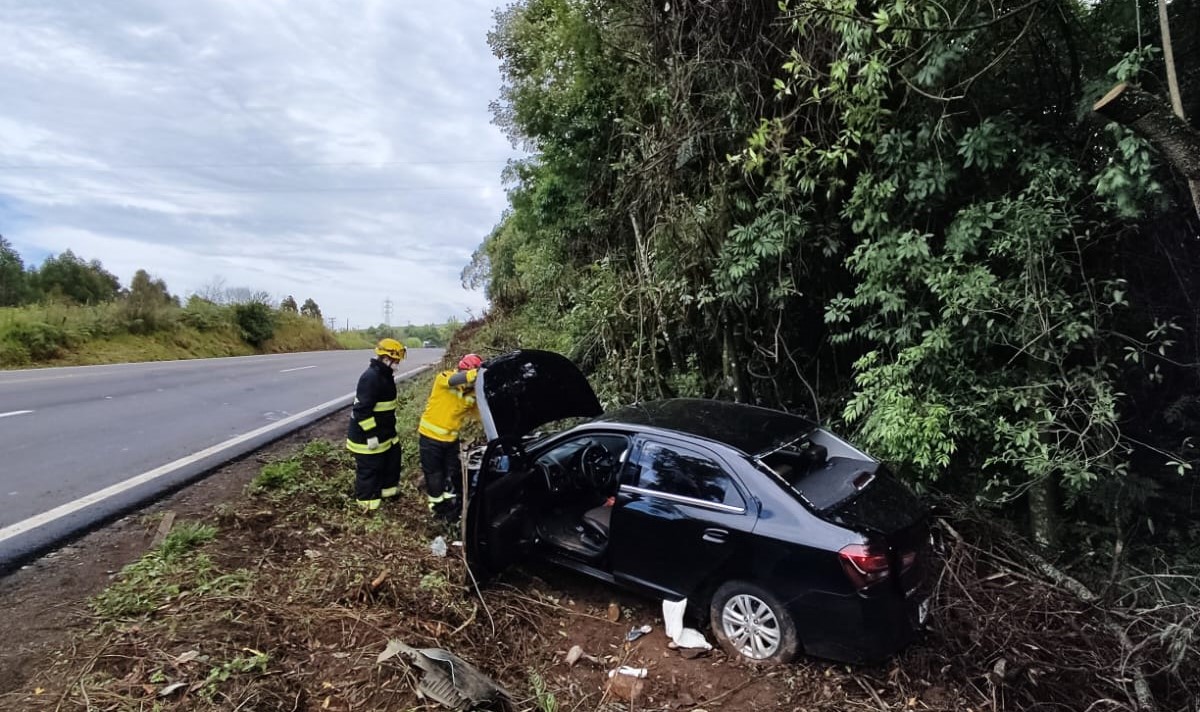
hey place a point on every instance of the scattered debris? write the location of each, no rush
(627, 688)
(438, 547)
(448, 680)
(164, 528)
(635, 633)
(614, 612)
(630, 671)
(673, 623)
(172, 688)
(573, 655)
(378, 580)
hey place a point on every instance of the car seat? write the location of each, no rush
(596, 524)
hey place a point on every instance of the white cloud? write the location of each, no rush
(336, 150)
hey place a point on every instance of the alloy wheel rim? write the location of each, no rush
(751, 626)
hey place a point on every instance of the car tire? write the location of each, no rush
(750, 623)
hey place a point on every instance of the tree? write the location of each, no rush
(905, 217)
(288, 304)
(14, 285)
(70, 277)
(246, 295)
(256, 320)
(213, 291)
(310, 309)
(146, 302)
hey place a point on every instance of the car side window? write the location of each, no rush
(685, 473)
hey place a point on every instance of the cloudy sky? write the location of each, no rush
(334, 149)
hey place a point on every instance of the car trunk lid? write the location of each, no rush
(895, 525)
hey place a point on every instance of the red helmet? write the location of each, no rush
(470, 361)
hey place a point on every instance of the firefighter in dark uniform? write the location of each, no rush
(371, 435)
(450, 402)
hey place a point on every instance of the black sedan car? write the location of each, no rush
(784, 537)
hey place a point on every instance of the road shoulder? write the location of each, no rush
(46, 598)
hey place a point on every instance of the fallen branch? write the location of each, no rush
(1141, 689)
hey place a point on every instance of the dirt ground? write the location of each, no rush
(44, 600)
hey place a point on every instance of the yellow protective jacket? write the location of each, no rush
(450, 402)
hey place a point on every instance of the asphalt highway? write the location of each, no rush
(79, 444)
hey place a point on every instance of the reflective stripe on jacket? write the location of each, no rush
(448, 407)
(374, 411)
(359, 449)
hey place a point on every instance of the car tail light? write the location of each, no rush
(864, 565)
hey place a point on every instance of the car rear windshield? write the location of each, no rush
(832, 483)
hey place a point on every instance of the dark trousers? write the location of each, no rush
(440, 463)
(375, 473)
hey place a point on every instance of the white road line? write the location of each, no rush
(15, 412)
(298, 368)
(63, 510)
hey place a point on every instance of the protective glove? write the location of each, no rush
(372, 443)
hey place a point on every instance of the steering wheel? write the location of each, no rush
(596, 465)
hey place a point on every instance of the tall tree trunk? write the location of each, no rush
(1043, 512)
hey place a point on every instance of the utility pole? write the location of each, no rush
(387, 311)
(332, 323)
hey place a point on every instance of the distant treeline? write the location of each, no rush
(61, 309)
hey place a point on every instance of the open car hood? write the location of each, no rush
(523, 390)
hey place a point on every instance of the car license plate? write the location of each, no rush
(922, 612)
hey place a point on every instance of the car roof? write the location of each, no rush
(747, 428)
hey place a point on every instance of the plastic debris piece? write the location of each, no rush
(438, 547)
(635, 633)
(393, 648)
(673, 624)
(573, 655)
(614, 612)
(630, 671)
(166, 691)
(448, 679)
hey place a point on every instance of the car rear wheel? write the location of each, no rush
(751, 623)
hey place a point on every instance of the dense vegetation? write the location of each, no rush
(72, 311)
(901, 218)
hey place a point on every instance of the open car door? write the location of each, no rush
(516, 393)
(499, 528)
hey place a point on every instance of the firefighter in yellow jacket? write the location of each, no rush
(371, 434)
(451, 401)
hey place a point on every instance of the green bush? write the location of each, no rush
(256, 322)
(42, 341)
(203, 315)
(147, 319)
(13, 354)
(279, 475)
